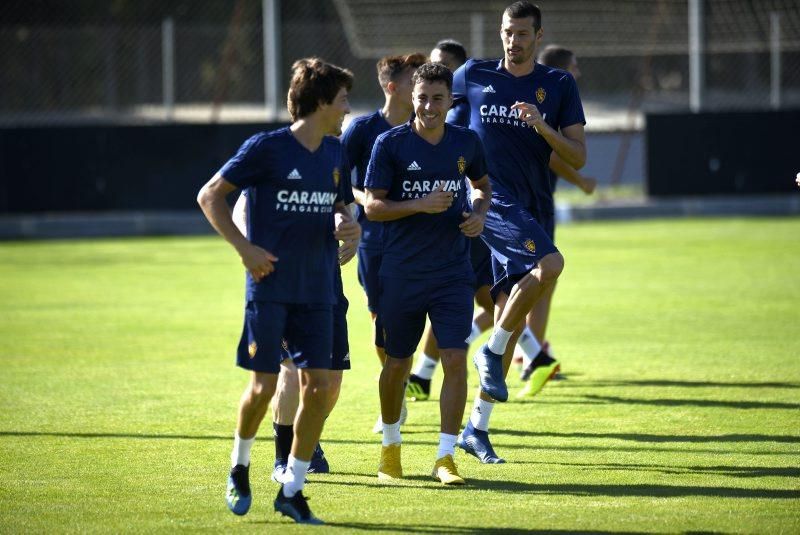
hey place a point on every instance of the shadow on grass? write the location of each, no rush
(586, 490)
(643, 437)
(682, 384)
(450, 529)
(693, 403)
(730, 471)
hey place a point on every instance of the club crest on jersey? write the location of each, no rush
(336, 176)
(530, 246)
(540, 95)
(252, 349)
(462, 165)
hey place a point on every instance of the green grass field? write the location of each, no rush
(680, 413)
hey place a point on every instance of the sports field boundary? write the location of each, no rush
(192, 223)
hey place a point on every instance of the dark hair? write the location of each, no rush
(433, 72)
(454, 48)
(521, 10)
(391, 67)
(556, 56)
(314, 82)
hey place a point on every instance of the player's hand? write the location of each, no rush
(588, 185)
(436, 201)
(472, 225)
(258, 261)
(530, 114)
(347, 250)
(346, 229)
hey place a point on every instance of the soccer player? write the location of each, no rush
(287, 394)
(416, 185)
(452, 55)
(294, 180)
(539, 365)
(394, 77)
(522, 111)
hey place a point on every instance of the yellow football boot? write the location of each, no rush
(390, 467)
(445, 470)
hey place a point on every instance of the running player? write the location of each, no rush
(522, 111)
(415, 184)
(538, 363)
(394, 77)
(294, 179)
(452, 55)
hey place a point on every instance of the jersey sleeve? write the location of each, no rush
(571, 111)
(247, 166)
(353, 141)
(477, 167)
(379, 170)
(459, 114)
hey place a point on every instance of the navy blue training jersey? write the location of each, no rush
(290, 205)
(518, 157)
(358, 140)
(408, 167)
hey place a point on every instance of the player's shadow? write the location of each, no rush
(729, 471)
(744, 404)
(457, 530)
(647, 437)
(680, 384)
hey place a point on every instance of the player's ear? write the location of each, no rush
(391, 87)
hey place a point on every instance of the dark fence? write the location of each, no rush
(737, 153)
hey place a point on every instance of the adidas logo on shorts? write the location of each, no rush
(489, 89)
(294, 175)
(414, 167)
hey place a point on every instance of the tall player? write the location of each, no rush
(294, 179)
(539, 365)
(522, 111)
(452, 55)
(394, 77)
(416, 186)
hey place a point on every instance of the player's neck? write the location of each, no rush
(394, 112)
(521, 69)
(308, 133)
(431, 135)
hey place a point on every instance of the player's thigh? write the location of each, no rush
(403, 307)
(261, 344)
(309, 329)
(450, 309)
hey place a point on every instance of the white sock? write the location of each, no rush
(241, 450)
(481, 411)
(530, 346)
(391, 433)
(447, 445)
(499, 340)
(425, 367)
(476, 332)
(294, 479)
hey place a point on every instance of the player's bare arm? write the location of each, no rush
(570, 143)
(379, 208)
(474, 220)
(211, 199)
(360, 195)
(348, 231)
(587, 184)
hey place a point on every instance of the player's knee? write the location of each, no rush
(262, 386)
(317, 389)
(551, 267)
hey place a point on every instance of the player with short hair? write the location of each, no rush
(452, 55)
(294, 181)
(522, 111)
(416, 185)
(538, 363)
(394, 77)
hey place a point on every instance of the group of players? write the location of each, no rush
(452, 157)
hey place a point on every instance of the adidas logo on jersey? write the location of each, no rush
(294, 175)
(414, 167)
(489, 89)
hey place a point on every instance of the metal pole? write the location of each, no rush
(696, 55)
(168, 66)
(775, 59)
(270, 10)
(476, 35)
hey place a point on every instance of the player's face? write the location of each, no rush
(431, 102)
(403, 86)
(520, 39)
(335, 112)
(445, 58)
(573, 68)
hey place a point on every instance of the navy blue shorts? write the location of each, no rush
(517, 240)
(481, 258)
(548, 223)
(369, 263)
(406, 302)
(307, 330)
